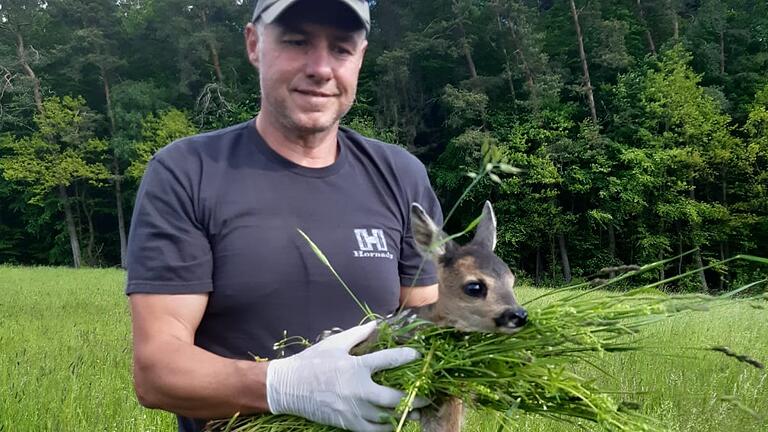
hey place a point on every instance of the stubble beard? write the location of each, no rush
(291, 123)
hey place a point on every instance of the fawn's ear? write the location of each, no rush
(429, 238)
(485, 234)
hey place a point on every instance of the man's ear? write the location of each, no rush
(252, 44)
(361, 50)
(363, 46)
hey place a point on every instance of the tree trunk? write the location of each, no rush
(724, 184)
(722, 52)
(89, 258)
(675, 22)
(537, 279)
(529, 77)
(661, 267)
(24, 62)
(723, 243)
(699, 264)
(497, 7)
(611, 242)
(512, 91)
(108, 97)
(584, 66)
(517, 45)
(553, 259)
(697, 253)
(212, 47)
(648, 36)
(73, 240)
(679, 252)
(465, 46)
(116, 177)
(564, 258)
(120, 217)
(676, 29)
(722, 258)
(612, 248)
(91, 238)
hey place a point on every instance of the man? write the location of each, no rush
(217, 271)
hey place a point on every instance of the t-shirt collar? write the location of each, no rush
(272, 155)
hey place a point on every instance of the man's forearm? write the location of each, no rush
(177, 376)
(418, 296)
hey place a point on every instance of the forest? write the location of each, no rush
(640, 127)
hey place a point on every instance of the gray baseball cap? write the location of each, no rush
(269, 10)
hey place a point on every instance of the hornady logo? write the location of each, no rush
(372, 244)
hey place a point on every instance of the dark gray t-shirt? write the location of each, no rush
(218, 213)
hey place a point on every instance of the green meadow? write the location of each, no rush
(65, 359)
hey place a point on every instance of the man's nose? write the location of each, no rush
(319, 64)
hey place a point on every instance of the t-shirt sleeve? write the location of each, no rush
(168, 249)
(415, 270)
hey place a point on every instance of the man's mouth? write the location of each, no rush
(315, 93)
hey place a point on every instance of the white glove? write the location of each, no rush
(327, 385)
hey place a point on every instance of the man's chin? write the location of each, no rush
(314, 126)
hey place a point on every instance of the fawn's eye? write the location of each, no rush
(475, 289)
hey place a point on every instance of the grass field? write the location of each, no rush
(65, 362)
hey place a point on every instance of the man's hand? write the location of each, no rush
(327, 385)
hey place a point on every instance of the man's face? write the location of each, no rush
(308, 73)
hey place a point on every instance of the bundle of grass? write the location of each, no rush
(531, 371)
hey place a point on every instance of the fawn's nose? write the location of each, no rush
(512, 318)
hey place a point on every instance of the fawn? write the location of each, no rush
(475, 285)
(476, 294)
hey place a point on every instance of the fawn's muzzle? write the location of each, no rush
(512, 318)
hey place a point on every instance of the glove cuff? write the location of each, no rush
(274, 383)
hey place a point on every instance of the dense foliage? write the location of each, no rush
(642, 125)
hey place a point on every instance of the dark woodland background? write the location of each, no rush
(641, 125)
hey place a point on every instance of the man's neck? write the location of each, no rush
(316, 150)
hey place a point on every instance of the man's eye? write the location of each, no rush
(343, 50)
(295, 42)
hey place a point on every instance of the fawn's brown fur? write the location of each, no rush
(475, 294)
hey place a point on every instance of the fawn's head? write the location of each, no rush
(476, 286)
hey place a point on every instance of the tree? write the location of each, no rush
(648, 35)
(62, 151)
(206, 37)
(584, 66)
(688, 141)
(95, 43)
(667, 154)
(157, 132)
(516, 23)
(20, 20)
(752, 192)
